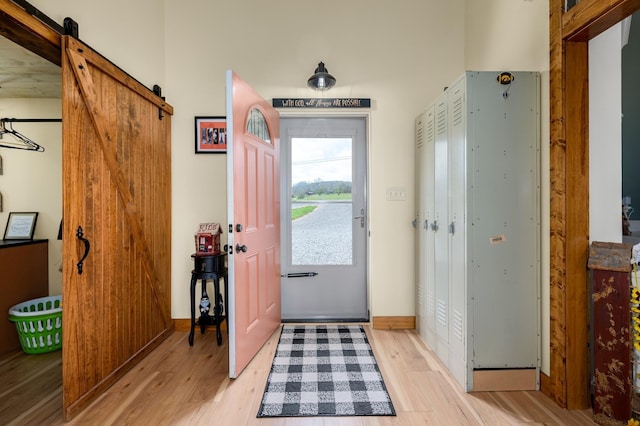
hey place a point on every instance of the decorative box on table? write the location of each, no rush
(208, 239)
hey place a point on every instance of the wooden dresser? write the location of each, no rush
(24, 275)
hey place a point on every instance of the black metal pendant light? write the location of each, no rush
(321, 79)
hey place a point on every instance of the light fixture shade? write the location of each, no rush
(321, 79)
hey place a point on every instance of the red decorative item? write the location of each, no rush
(612, 360)
(208, 239)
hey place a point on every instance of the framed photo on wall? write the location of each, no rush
(211, 135)
(20, 226)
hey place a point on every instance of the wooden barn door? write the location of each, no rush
(117, 211)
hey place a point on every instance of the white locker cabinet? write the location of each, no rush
(504, 214)
(420, 236)
(457, 230)
(486, 231)
(425, 272)
(438, 227)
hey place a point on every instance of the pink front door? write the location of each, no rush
(253, 193)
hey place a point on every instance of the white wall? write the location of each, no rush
(399, 56)
(32, 181)
(605, 136)
(507, 35)
(129, 33)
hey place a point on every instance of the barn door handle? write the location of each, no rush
(87, 246)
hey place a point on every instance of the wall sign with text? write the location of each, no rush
(321, 102)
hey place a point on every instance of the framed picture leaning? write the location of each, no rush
(20, 226)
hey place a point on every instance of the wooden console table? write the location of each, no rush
(24, 275)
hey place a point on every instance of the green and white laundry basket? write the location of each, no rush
(39, 324)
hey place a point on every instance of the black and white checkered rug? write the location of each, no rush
(324, 371)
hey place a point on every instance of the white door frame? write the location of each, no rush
(365, 316)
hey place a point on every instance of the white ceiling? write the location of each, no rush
(26, 75)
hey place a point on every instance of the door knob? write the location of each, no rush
(241, 248)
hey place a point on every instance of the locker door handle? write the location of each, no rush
(452, 228)
(426, 224)
(414, 223)
(434, 226)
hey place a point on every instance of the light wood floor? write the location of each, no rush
(181, 385)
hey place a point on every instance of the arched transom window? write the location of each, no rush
(257, 125)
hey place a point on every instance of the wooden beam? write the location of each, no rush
(589, 18)
(576, 106)
(570, 32)
(555, 387)
(22, 28)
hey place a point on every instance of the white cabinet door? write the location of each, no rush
(428, 179)
(419, 218)
(457, 231)
(504, 206)
(425, 261)
(439, 227)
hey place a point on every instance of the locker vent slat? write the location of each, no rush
(442, 312)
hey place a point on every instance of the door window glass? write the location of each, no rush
(321, 202)
(257, 125)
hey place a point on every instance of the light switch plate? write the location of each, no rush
(396, 194)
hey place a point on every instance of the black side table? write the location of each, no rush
(209, 267)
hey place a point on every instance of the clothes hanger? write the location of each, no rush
(22, 142)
